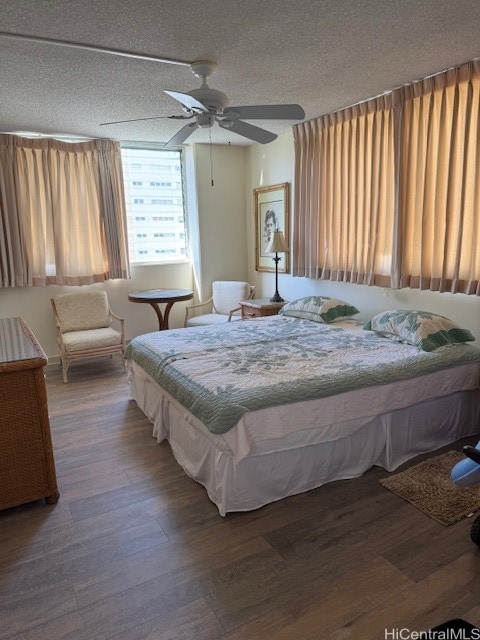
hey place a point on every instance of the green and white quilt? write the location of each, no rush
(220, 372)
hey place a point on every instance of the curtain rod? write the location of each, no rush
(95, 49)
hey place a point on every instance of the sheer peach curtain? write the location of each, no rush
(62, 210)
(388, 192)
(439, 183)
(344, 194)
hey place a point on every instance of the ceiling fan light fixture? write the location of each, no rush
(205, 120)
(226, 123)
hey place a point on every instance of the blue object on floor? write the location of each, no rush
(466, 473)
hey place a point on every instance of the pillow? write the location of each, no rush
(318, 309)
(427, 331)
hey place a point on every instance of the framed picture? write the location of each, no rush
(271, 206)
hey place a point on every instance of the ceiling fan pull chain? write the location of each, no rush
(211, 157)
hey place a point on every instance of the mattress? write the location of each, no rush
(219, 374)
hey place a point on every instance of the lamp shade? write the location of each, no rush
(277, 243)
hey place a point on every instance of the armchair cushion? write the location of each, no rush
(227, 295)
(91, 339)
(81, 313)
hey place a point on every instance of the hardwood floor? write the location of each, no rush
(134, 549)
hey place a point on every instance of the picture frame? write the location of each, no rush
(271, 207)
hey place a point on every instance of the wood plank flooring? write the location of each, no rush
(134, 550)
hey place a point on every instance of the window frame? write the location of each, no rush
(151, 146)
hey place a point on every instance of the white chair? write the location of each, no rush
(83, 322)
(224, 304)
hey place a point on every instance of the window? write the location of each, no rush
(152, 237)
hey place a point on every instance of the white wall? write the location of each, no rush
(221, 210)
(274, 163)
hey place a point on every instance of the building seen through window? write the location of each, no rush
(155, 205)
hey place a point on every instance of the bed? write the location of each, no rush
(263, 409)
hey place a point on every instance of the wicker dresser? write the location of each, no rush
(27, 469)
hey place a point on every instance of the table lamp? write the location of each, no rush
(276, 245)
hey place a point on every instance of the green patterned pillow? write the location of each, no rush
(319, 309)
(427, 331)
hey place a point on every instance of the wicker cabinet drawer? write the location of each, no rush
(27, 469)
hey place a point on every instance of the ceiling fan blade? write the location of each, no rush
(248, 131)
(152, 118)
(266, 111)
(182, 135)
(188, 101)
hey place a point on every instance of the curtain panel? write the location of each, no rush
(438, 176)
(344, 195)
(387, 191)
(62, 210)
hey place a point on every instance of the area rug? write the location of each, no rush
(428, 486)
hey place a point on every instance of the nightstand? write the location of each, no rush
(259, 307)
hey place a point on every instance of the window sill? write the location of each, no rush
(160, 263)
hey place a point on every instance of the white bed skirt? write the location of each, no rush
(281, 467)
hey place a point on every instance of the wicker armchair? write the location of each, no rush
(83, 321)
(224, 305)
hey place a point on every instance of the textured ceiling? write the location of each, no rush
(324, 55)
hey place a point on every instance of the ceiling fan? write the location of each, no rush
(205, 106)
